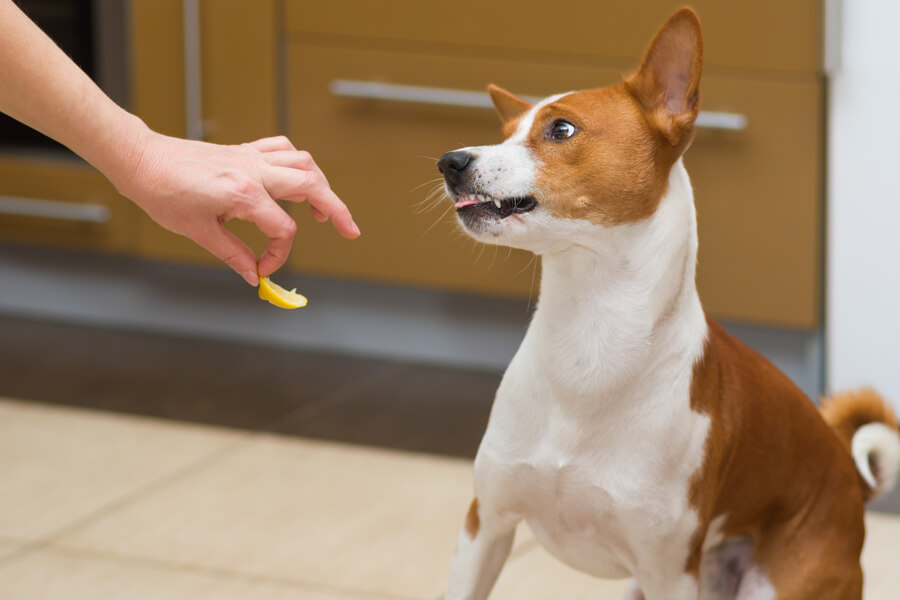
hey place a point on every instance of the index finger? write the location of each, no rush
(295, 185)
(296, 159)
(274, 143)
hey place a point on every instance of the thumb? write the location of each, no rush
(228, 248)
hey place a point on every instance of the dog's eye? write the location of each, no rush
(561, 130)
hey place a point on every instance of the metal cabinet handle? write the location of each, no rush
(708, 119)
(409, 93)
(193, 87)
(391, 92)
(51, 209)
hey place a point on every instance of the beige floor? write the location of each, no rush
(103, 506)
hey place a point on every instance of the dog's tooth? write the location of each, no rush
(482, 198)
(497, 202)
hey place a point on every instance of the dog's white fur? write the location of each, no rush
(592, 439)
(878, 441)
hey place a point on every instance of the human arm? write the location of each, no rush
(187, 186)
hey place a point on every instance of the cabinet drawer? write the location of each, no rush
(381, 159)
(757, 190)
(760, 203)
(767, 34)
(62, 203)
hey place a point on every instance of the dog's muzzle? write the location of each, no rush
(472, 203)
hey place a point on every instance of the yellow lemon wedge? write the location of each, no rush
(277, 295)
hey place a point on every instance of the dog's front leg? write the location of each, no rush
(483, 546)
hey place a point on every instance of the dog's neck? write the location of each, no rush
(616, 307)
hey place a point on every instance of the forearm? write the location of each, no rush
(43, 88)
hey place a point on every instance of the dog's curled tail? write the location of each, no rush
(867, 423)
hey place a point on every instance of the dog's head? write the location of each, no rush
(579, 160)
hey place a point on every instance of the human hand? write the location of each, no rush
(188, 187)
(193, 188)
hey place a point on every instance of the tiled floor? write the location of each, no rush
(272, 504)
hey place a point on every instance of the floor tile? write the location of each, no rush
(413, 407)
(189, 379)
(536, 575)
(304, 511)
(63, 575)
(61, 464)
(7, 547)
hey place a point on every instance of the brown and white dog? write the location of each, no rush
(633, 434)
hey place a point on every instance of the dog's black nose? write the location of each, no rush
(453, 164)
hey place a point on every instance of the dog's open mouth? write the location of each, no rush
(502, 207)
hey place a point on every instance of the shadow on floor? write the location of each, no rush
(327, 396)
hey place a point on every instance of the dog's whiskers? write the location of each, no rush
(534, 271)
(431, 200)
(531, 261)
(480, 253)
(438, 220)
(430, 181)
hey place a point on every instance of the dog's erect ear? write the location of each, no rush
(667, 84)
(508, 106)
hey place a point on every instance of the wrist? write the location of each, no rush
(121, 158)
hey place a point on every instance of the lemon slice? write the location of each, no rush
(277, 295)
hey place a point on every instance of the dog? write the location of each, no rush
(634, 435)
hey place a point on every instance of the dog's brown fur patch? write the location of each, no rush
(776, 470)
(615, 168)
(849, 411)
(473, 523)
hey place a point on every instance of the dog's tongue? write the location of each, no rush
(465, 203)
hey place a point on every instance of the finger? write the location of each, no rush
(317, 215)
(272, 144)
(299, 159)
(279, 228)
(232, 251)
(298, 186)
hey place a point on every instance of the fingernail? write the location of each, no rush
(356, 228)
(251, 277)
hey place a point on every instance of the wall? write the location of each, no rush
(863, 231)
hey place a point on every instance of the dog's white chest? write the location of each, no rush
(603, 495)
(578, 518)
